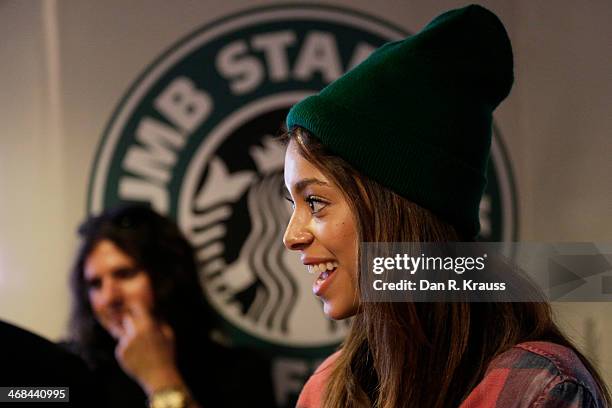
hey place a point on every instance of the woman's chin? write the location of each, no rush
(115, 331)
(337, 312)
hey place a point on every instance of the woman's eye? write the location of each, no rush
(316, 204)
(126, 273)
(93, 284)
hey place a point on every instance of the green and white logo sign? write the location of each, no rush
(194, 137)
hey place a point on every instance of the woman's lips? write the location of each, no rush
(323, 281)
(324, 269)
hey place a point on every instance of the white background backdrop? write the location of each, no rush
(64, 65)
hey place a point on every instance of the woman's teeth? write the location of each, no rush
(323, 267)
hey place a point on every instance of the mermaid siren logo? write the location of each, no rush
(195, 138)
(258, 283)
(257, 287)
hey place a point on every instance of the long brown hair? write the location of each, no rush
(418, 354)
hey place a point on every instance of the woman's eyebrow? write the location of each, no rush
(302, 184)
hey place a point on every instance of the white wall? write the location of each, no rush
(65, 65)
(563, 96)
(35, 231)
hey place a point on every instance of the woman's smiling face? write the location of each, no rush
(322, 227)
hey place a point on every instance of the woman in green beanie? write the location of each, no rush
(396, 151)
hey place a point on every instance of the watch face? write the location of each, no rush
(171, 398)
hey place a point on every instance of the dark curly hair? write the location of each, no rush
(157, 246)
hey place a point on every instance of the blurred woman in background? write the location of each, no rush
(140, 321)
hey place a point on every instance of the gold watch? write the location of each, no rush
(169, 398)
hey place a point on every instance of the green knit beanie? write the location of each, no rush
(416, 115)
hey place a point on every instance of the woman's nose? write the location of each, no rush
(297, 236)
(110, 293)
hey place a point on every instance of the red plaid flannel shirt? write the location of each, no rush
(536, 374)
(531, 374)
